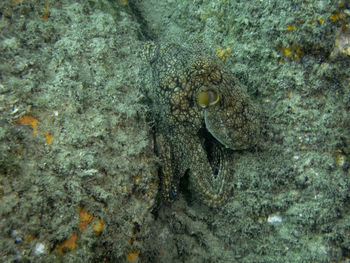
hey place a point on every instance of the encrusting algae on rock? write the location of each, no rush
(27, 120)
(201, 111)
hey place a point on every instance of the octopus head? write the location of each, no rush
(229, 116)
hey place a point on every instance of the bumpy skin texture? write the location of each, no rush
(179, 76)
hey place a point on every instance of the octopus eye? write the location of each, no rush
(207, 98)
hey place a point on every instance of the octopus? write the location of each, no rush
(202, 113)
